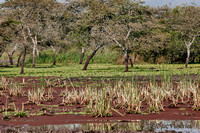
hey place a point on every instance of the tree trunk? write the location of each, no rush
(23, 60)
(130, 61)
(91, 56)
(126, 61)
(34, 51)
(34, 41)
(54, 58)
(54, 55)
(88, 60)
(82, 55)
(18, 60)
(38, 52)
(1, 51)
(10, 55)
(188, 56)
(188, 45)
(10, 59)
(25, 48)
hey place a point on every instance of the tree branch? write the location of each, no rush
(128, 34)
(115, 40)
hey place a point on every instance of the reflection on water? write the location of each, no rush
(136, 126)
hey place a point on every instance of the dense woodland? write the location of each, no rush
(85, 27)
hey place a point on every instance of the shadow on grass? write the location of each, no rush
(48, 72)
(6, 66)
(131, 69)
(38, 67)
(44, 67)
(8, 75)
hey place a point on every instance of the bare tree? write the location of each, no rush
(188, 46)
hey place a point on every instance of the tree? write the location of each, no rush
(10, 54)
(99, 40)
(127, 26)
(25, 47)
(90, 23)
(186, 21)
(18, 60)
(2, 38)
(2, 20)
(35, 16)
(80, 37)
(9, 31)
(155, 40)
(118, 22)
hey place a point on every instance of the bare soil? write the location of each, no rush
(54, 113)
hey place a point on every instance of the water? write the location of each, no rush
(187, 126)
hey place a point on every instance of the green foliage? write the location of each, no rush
(20, 114)
(74, 57)
(6, 117)
(154, 32)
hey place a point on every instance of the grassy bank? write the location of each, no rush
(75, 70)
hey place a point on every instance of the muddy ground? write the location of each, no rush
(52, 112)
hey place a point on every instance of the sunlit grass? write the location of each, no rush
(106, 70)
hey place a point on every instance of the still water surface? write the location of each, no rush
(187, 126)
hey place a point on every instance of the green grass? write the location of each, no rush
(75, 70)
(75, 113)
(182, 109)
(48, 105)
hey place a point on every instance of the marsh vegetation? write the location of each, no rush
(99, 97)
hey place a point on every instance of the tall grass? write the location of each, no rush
(73, 56)
(132, 96)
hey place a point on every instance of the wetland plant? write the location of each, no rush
(155, 99)
(101, 100)
(4, 83)
(20, 113)
(36, 95)
(196, 97)
(16, 90)
(100, 106)
(81, 96)
(49, 95)
(6, 115)
(49, 83)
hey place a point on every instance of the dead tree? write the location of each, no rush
(188, 46)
